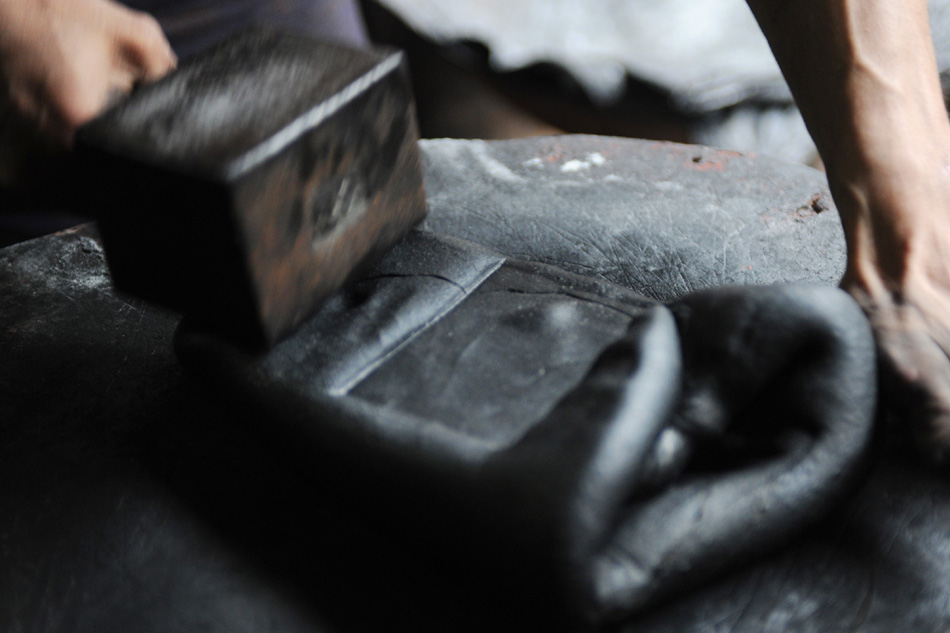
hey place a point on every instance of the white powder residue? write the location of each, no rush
(574, 165)
(594, 159)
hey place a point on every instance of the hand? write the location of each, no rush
(864, 74)
(898, 221)
(62, 61)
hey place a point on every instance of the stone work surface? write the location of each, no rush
(659, 218)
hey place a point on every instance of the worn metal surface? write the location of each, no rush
(247, 186)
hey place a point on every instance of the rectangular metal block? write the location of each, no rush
(248, 185)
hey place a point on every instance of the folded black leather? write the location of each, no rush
(585, 446)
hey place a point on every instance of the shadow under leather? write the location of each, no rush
(876, 562)
(274, 502)
(604, 495)
(114, 465)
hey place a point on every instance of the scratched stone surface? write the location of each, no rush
(130, 500)
(659, 218)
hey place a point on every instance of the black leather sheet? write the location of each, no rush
(562, 433)
(134, 498)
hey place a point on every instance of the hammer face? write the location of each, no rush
(251, 183)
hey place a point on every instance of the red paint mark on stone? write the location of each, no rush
(712, 160)
(708, 165)
(818, 203)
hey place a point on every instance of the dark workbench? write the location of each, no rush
(133, 500)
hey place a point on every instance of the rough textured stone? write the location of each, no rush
(659, 218)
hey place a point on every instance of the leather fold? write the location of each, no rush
(592, 450)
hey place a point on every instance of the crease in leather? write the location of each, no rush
(797, 371)
(527, 426)
(358, 346)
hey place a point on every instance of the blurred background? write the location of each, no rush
(694, 71)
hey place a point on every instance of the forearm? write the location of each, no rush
(864, 75)
(860, 70)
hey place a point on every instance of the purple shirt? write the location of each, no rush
(192, 25)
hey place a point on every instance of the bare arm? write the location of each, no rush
(865, 78)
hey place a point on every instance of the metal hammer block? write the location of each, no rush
(248, 185)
